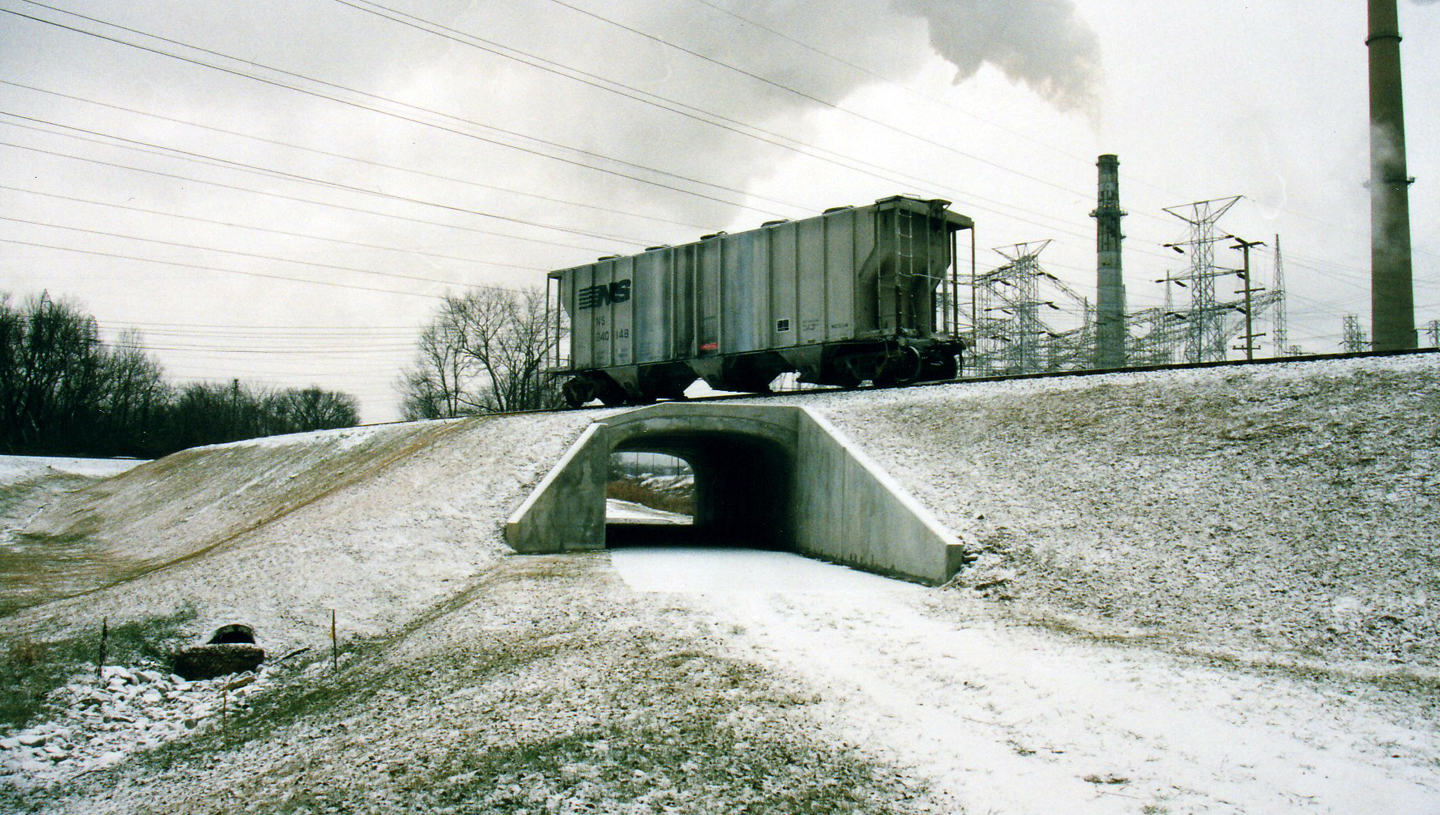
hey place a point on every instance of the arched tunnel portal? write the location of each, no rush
(743, 485)
(766, 476)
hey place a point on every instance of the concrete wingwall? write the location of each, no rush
(849, 510)
(839, 504)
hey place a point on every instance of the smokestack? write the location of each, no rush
(1110, 284)
(1392, 296)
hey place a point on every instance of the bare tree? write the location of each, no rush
(135, 400)
(484, 352)
(51, 387)
(302, 410)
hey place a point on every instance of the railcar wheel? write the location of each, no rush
(903, 368)
(577, 392)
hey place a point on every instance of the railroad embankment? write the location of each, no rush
(377, 524)
(1273, 511)
(1282, 515)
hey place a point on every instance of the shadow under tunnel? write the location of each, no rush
(743, 492)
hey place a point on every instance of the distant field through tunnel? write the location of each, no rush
(740, 492)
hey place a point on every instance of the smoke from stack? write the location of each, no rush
(1042, 43)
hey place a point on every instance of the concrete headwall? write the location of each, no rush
(793, 477)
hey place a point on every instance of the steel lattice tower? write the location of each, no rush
(1279, 329)
(1354, 341)
(1205, 340)
(1023, 276)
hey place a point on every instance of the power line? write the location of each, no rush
(296, 177)
(282, 196)
(277, 143)
(218, 269)
(267, 230)
(330, 266)
(802, 94)
(361, 106)
(692, 112)
(488, 127)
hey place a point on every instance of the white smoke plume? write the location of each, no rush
(1042, 43)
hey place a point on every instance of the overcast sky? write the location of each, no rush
(281, 191)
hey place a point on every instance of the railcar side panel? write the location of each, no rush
(780, 247)
(622, 311)
(709, 282)
(810, 250)
(840, 268)
(650, 291)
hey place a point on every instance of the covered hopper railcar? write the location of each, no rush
(856, 294)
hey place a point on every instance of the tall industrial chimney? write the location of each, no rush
(1392, 295)
(1110, 284)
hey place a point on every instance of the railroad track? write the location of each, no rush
(1177, 366)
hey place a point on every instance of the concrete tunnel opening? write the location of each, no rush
(742, 491)
(766, 476)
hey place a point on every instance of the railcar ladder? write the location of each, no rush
(904, 262)
(905, 265)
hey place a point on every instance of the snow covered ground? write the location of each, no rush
(629, 512)
(1008, 718)
(1210, 591)
(19, 468)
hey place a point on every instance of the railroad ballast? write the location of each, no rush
(856, 294)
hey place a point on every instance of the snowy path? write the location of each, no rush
(1011, 719)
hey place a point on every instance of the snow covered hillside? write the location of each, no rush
(1197, 592)
(1288, 509)
(378, 524)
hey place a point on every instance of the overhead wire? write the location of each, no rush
(405, 105)
(357, 159)
(306, 236)
(296, 177)
(202, 267)
(315, 264)
(677, 107)
(282, 196)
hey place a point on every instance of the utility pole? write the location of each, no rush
(1250, 335)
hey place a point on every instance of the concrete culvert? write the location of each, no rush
(234, 632)
(232, 649)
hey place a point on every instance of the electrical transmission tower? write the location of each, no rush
(1009, 304)
(1204, 329)
(1434, 331)
(1354, 341)
(1012, 302)
(1279, 330)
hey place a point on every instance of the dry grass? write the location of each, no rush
(681, 500)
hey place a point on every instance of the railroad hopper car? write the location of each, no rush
(856, 294)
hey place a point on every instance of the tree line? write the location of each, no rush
(65, 392)
(484, 351)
